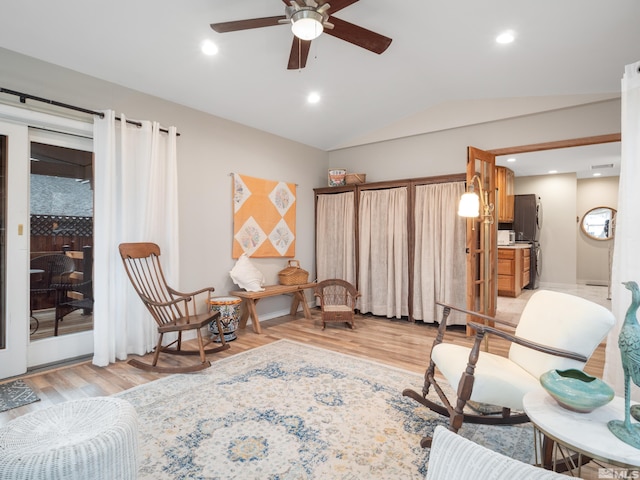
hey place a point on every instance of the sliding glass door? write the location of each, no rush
(60, 246)
(14, 237)
(30, 165)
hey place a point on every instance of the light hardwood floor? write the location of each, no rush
(396, 342)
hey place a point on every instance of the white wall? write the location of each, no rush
(593, 255)
(209, 149)
(446, 151)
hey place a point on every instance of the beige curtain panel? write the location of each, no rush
(439, 262)
(335, 237)
(384, 252)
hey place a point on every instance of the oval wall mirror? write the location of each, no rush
(599, 223)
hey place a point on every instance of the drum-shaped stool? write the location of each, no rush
(92, 438)
(229, 308)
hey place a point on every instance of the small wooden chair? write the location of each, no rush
(173, 311)
(337, 301)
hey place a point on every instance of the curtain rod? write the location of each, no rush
(26, 96)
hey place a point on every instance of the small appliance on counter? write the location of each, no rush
(506, 237)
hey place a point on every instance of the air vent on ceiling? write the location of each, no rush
(604, 165)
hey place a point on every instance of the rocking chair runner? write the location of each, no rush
(173, 311)
(555, 331)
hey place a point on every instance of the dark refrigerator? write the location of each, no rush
(527, 222)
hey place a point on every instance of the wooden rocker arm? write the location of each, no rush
(482, 330)
(164, 304)
(190, 294)
(476, 314)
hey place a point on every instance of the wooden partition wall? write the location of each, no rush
(410, 184)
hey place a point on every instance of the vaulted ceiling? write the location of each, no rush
(442, 54)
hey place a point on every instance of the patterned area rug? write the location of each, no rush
(15, 394)
(291, 411)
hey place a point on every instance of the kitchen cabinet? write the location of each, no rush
(504, 184)
(526, 266)
(513, 269)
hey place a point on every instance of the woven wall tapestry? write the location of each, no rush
(264, 217)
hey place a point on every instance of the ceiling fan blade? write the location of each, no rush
(299, 54)
(236, 25)
(359, 36)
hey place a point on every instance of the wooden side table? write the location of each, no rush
(251, 298)
(584, 434)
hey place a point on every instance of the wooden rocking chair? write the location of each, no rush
(173, 311)
(555, 331)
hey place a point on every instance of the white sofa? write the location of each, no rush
(455, 457)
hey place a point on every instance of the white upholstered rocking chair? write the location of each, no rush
(555, 331)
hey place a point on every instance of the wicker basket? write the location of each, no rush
(293, 274)
(355, 178)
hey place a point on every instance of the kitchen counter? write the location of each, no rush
(517, 245)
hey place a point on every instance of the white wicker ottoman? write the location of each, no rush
(88, 439)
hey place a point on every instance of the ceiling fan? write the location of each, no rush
(308, 19)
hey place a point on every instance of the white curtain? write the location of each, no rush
(335, 237)
(626, 255)
(383, 252)
(136, 199)
(440, 263)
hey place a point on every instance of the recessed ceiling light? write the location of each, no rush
(505, 37)
(597, 174)
(511, 160)
(553, 171)
(209, 48)
(314, 97)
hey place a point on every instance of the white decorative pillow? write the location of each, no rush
(246, 275)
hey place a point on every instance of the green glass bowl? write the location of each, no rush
(575, 390)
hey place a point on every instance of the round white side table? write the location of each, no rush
(585, 434)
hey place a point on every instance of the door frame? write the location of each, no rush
(536, 147)
(481, 248)
(49, 350)
(13, 358)
(557, 145)
(572, 142)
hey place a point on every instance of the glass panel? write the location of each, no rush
(61, 202)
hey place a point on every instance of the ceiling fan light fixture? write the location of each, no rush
(306, 24)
